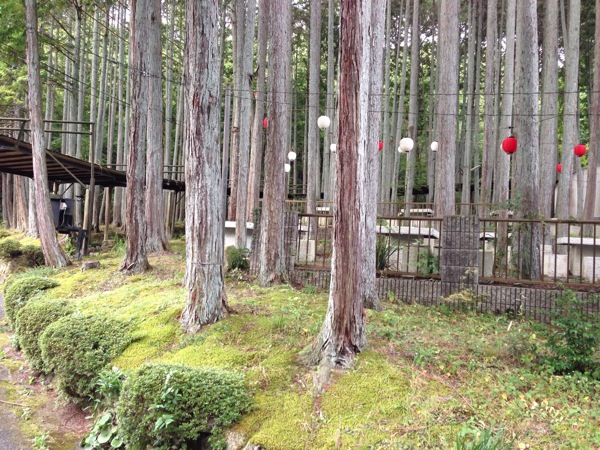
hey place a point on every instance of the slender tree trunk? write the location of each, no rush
(53, 254)
(589, 209)
(206, 299)
(526, 177)
(156, 240)
(32, 226)
(314, 78)
(343, 334)
(139, 37)
(256, 151)
(564, 207)
(81, 86)
(245, 124)
(327, 158)
(271, 252)
(447, 108)
(117, 217)
(413, 106)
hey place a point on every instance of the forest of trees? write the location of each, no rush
(457, 77)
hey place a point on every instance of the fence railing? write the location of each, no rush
(511, 251)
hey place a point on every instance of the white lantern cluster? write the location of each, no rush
(323, 122)
(406, 145)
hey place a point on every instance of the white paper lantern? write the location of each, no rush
(406, 145)
(323, 122)
(287, 167)
(434, 146)
(332, 148)
(292, 156)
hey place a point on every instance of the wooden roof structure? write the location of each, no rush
(16, 158)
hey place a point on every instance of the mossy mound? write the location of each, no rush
(20, 291)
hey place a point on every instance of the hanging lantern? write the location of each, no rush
(434, 146)
(287, 167)
(265, 122)
(406, 145)
(580, 150)
(559, 167)
(509, 145)
(380, 145)
(332, 148)
(291, 156)
(323, 122)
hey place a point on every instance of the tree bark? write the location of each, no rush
(447, 108)
(135, 258)
(206, 299)
(271, 252)
(53, 254)
(343, 334)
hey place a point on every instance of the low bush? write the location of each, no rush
(573, 337)
(33, 255)
(166, 406)
(9, 248)
(77, 347)
(237, 258)
(31, 321)
(4, 233)
(19, 291)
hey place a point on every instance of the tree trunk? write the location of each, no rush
(447, 108)
(343, 334)
(271, 252)
(156, 240)
(53, 254)
(245, 123)
(139, 37)
(327, 158)
(117, 217)
(564, 208)
(206, 299)
(526, 177)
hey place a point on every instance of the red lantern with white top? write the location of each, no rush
(509, 145)
(580, 150)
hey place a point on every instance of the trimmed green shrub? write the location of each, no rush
(77, 347)
(33, 255)
(237, 258)
(20, 291)
(168, 406)
(9, 248)
(4, 233)
(31, 321)
(573, 337)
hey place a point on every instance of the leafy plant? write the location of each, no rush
(33, 255)
(78, 346)
(120, 246)
(384, 248)
(472, 438)
(170, 405)
(40, 442)
(237, 258)
(573, 337)
(104, 433)
(31, 321)
(9, 248)
(427, 263)
(20, 291)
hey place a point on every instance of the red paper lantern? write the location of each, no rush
(580, 150)
(509, 145)
(380, 145)
(559, 167)
(265, 122)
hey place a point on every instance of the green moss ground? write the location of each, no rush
(427, 373)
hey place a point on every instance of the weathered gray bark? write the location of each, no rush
(343, 333)
(327, 140)
(156, 239)
(549, 126)
(53, 254)
(271, 251)
(447, 114)
(32, 227)
(490, 132)
(570, 114)
(206, 299)
(526, 176)
(413, 105)
(135, 257)
(589, 209)
(256, 150)
(245, 123)
(314, 78)
(119, 192)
